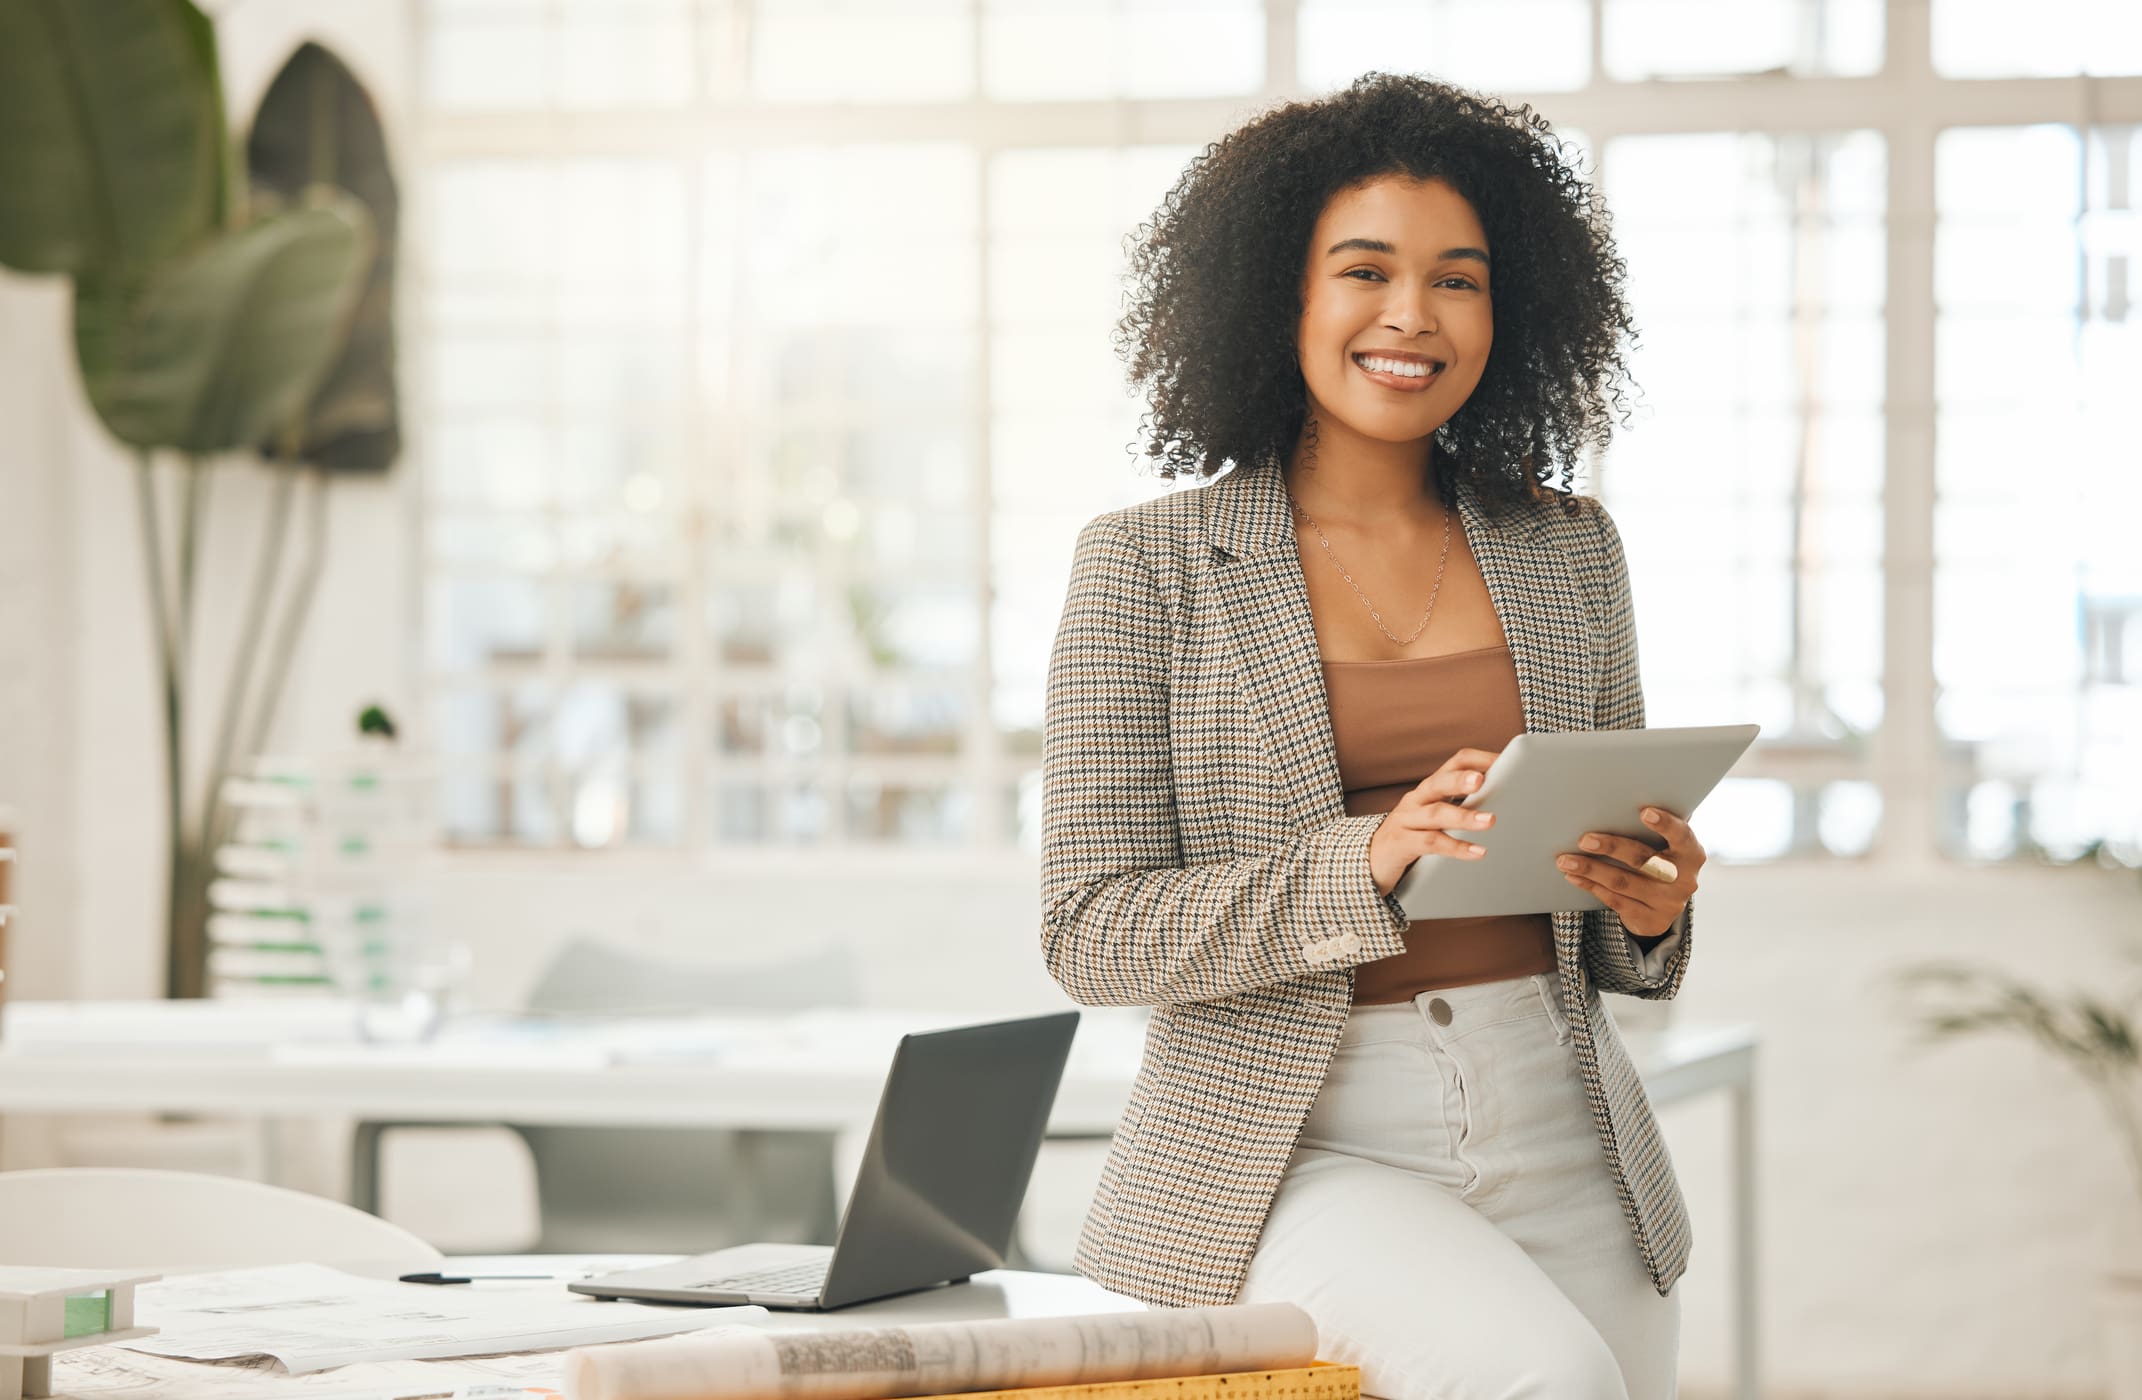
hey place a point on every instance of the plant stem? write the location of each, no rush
(181, 960)
(152, 545)
(193, 503)
(295, 614)
(266, 569)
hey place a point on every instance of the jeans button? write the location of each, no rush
(1439, 1011)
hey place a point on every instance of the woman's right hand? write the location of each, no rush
(1425, 820)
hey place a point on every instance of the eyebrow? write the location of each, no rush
(1377, 245)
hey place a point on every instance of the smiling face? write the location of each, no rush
(1396, 313)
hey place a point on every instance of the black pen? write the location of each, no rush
(464, 1278)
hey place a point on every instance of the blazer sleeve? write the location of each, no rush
(1617, 961)
(1124, 920)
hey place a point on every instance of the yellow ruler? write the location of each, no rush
(1319, 1380)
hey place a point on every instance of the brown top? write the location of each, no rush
(1394, 723)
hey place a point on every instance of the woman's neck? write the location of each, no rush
(1350, 479)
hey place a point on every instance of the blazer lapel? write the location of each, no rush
(1257, 582)
(1264, 601)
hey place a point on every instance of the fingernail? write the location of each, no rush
(1590, 843)
(1472, 780)
(1651, 814)
(1567, 862)
(1476, 850)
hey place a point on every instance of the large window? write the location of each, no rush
(1749, 490)
(762, 355)
(2037, 565)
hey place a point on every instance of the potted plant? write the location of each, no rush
(225, 302)
(2096, 1037)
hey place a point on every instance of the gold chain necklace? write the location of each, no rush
(1373, 613)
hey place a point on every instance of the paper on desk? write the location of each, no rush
(310, 1317)
(114, 1373)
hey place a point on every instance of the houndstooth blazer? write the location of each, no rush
(1196, 858)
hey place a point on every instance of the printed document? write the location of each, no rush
(310, 1317)
(114, 1373)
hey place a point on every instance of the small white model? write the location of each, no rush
(47, 1310)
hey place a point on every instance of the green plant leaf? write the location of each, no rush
(221, 348)
(2094, 1037)
(111, 133)
(2109, 1031)
(317, 126)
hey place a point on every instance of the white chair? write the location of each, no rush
(187, 1222)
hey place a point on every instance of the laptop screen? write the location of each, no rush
(949, 1157)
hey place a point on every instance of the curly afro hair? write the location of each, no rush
(1215, 284)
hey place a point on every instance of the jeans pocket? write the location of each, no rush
(1548, 987)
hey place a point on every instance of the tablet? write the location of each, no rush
(1547, 791)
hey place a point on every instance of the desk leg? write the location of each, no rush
(269, 1164)
(1747, 1383)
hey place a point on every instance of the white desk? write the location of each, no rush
(815, 1069)
(996, 1293)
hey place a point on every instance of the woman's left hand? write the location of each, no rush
(1607, 868)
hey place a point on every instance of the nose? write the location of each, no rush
(1410, 313)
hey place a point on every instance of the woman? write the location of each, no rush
(1399, 314)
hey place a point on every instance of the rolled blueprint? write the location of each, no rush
(940, 1358)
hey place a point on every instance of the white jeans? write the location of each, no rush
(1448, 1218)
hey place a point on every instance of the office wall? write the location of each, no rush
(38, 623)
(1932, 1224)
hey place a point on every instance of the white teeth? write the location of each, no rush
(1407, 369)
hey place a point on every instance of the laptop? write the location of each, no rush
(937, 1195)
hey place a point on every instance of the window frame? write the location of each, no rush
(1904, 101)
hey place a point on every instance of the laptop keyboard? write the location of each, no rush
(806, 1279)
